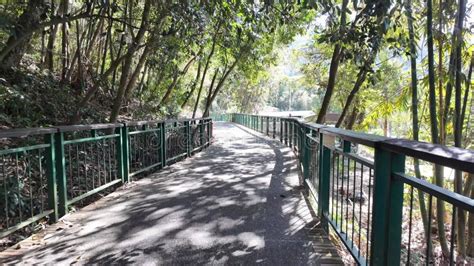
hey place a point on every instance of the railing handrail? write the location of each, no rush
(26, 132)
(453, 157)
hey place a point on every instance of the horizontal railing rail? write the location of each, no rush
(364, 188)
(43, 171)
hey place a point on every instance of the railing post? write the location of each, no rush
(290, 133)
(51, 175)
(274, 126)
(208, 132)
(324, 180)
(123, 152)
(286, 132)
(201, 133)
(267, 122)
(61, 173)
(305, 151)
(211, 130)
(163, 143)
(281, 130)
(295, 135)
(387, 208)
(188, 138)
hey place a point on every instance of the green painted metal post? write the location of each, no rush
(211, 129)
(324, 181)
(51, 175)
(286, 132)
(296, 132)
(274, 126)
(201, 132)
(387, 209)
(61, 173)
(123, 151)
(163, 143)
(281, 130)
(305, 151)
(188, 138)
(268, 126)
(346, 146)
(290, 133)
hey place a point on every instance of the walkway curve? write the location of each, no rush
(237, 202)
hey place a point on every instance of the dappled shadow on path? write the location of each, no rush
(238, 202)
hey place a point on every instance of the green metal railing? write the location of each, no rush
(43, 171)
(221, 117)
(364, 189)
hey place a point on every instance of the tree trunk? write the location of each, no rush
(451, 79)
(28, 20)
(466, 92)
(209, 94)
(136, 73)
(457, 125)
(440, 71)
(214, 40)
(65, 40)
(440, 211)
(128, 61)
(176, 78)
(414, 106)
(193, 88)
(49, 57)
(335, 60)
(350, 121)
(331, 83)
(219, 86)
(357, 85)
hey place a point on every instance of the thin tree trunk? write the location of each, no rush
(414, 106)
(128, 61)
(461, 215)
(466, 92)
(136, 73)
(335, 60)
(440, 210)
(440, 71)
(357, 85)
(209, 94)
(451, 79)
(205, 70)
(219, 86)
(49, 57)
(176, 78)
(193, 88)
(65, 39)
(352, 119)
(79, 56)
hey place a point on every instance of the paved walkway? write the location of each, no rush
(238, 202)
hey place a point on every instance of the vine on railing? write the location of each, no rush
(364, 189)
(44, 171)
